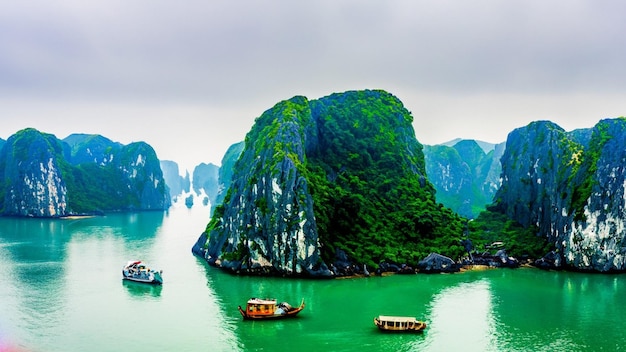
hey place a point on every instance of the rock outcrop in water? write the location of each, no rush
(571, 186)
(342, 172)
(47, 177)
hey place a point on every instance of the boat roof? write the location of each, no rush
(261, 301)
(395, 318)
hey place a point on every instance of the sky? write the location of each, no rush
(190, 77)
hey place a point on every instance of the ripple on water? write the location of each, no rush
(40, 305)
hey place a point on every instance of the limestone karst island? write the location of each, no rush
(340, 186)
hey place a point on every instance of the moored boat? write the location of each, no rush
(260, 309)
(138, 271)
(399, 324)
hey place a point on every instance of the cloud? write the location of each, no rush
(228, 62)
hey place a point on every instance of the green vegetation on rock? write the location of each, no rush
(370, 193)
(586, 172)
(350, 159)
(47, 177)
(520, 242)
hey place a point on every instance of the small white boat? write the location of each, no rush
(136, 270)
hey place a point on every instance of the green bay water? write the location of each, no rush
(61, 289)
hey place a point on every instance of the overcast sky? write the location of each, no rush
(189, 77)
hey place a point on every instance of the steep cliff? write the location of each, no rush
(176, 183)
(142, 176)
(464, 175)
(205, 178)
(31, 166)
(46, 177)
(571, 187)
(267, 221)
(344, 172)
(225, 175)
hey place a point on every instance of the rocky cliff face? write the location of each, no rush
(30, 165)
(267, 224)
(142, 176)
(46, 177)
(571, 187)
(176, 183)
(205, 179)
(131, 173)
(225, 175)
(464, 175)
(321, 176)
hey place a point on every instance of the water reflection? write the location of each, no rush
(33, 240)
(229, 291)
(33, 272)
(236, 290)
(45, 240)
(555, 310)
(224, 323)
(140, 290)
(43, 259)
(60, 290)
(136, 230)
(464, 311)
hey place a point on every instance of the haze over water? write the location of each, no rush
(61, 290)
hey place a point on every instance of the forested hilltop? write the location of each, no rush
(43, 176)
(337, 179)
(466, 176)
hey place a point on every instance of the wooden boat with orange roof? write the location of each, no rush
(265, 309)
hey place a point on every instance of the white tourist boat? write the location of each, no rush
(136, 270)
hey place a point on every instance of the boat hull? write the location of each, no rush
(153, 281)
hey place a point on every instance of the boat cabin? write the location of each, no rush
(393, 323)
(400, 323)
(256, 306)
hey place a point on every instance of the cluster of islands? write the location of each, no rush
(340, 186)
